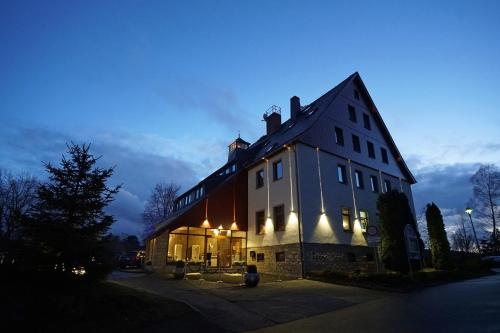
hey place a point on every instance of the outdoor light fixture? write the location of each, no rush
(234, 226)
(468, 210)
(220, 227)
(205, 224)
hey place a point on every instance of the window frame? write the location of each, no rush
(356, 143)
(275, 170)
(358, 179)
(257, 178)
(374, 184)
(387, 188)
(341, 173)
(366, 121)
(260, 229)
(282, 225)
(349, 216)
(385, 157)
(339, 136)
(366, 220)
(370, 146)
(352, 113)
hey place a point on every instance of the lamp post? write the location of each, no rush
(468, 210)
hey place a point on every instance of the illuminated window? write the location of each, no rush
(358, 176)
(371, 149)
(346, 219)
(352, 113)
(341, 174)
(339, 136)
(366, 121)
(277, 170)
(279, 218)
(387, 186)
(259, 178)
(363, 219)
(355, 143)
(374, 183)
(383, 152)
(260, 223)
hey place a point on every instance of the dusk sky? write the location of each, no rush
(161, 88)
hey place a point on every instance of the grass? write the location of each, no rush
(79, 306)
(392, 281)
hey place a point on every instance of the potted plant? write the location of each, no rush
(252, 278)
(179, 269)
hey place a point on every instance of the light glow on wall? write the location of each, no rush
(293, 220)
(320, 182)
(323, 232)
(205, 224)
(234, 226)
(269, 227)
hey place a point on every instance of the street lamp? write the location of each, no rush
(468, 210)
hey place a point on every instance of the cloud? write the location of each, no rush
(220, 104)
(138, 166)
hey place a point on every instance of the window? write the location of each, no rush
(279, 218)
(260, 257)
(260, 223)
(363, 219)
(383, 152)
(355, 143)
(277, 170)
(374, 183)
(352, 113)
(339, 136)
(280, 256)
(371, 149)
(259, 178)
(358, 176)
(346, 219)
(341, 175)
(387, 186)
(366, 121)
(356, 94)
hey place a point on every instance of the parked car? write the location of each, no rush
(131, 259)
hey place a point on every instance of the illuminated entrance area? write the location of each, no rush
(209, 248)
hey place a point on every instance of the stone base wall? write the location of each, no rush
(265, 259)
(159, 256)
(339, 258)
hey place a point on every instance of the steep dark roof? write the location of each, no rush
(287, 133)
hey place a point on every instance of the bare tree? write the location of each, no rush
(486, 191)
(461, 240)
(422, 227)
(160, 205)
(17, 195)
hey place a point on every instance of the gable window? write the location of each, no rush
(363, 219)
(260, 223)
(352, 113)
(346, 219)
(371, 149)
(259, 178)
(355, 143)
(341, 174)
(374, 183)
(366, 121)
(356, 94)
(277, 170)
(383, 152)
(387, 186)
(339, 136)
(358, 176)
(279, 217)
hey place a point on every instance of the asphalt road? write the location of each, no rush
(468, 306)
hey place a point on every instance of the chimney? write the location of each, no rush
(294, 107)
(273, 119)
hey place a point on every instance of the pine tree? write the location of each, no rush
(440, 247)
(394, 214)
(68, 220)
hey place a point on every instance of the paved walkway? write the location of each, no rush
(237, 309)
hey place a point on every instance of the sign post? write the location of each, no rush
(412, 247)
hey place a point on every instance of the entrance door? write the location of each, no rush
(218, 251)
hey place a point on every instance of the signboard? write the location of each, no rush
(411, 241)
(372, 235)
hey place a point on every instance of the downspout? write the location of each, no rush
(301, 242)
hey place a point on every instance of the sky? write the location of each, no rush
(160, 88)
